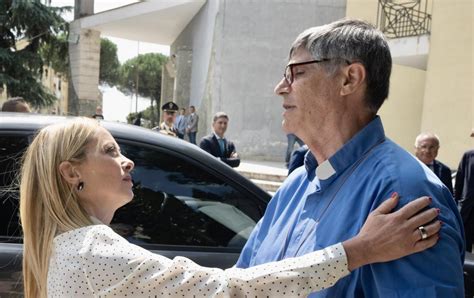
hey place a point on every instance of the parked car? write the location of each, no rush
(186, 202)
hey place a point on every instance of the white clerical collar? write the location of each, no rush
(325, 170)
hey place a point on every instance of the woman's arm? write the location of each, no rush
(128, 269)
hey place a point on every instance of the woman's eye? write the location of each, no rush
(110, 149)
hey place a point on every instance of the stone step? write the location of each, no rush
(270, 186)
(274, 177)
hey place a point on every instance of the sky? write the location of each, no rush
(116, 105)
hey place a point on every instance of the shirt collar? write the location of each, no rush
(371, 135)
(96, 221)
(217, 137)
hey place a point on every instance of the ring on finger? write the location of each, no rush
(423, 232)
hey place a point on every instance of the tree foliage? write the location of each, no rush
(146, 69)
(109, 63)
(34, 24)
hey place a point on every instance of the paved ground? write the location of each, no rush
(264, 167)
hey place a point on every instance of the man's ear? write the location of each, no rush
(69, 173)
(354, 78)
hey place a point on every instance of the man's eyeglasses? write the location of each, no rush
(289, 76)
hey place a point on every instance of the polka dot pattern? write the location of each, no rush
(95, 261)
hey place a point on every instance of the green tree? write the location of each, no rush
(109, 63)
(34, 25)
(146, 71)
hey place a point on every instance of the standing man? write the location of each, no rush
(426, 149)
(464, 193)
(334, 84)
(217, 145)
(181, 123)
(192, 128)
(169, 116)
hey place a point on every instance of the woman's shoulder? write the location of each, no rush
(92, 233)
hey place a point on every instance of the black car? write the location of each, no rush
(187, 203)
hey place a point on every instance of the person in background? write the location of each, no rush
(216, 143)
(98, 113)
(297, 158)
(16, 104)
(426, 150)
(291, 140)
(169, 116)
(336, 79)
(193, 121)
(181, 123)
(464, 194)
(73, 179)
(138, 119)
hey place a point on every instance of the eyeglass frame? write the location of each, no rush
(291, 65)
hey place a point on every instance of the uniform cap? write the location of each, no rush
(170, 107)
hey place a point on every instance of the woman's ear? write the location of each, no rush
(69, 173)
(354, 78)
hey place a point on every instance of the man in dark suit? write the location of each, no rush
(217, 145)
(464, 193)
(426, 150)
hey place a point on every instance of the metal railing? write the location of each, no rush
(402, 19)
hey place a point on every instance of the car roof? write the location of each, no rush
(33, 122)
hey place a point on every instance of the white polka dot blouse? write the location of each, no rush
(94, 261)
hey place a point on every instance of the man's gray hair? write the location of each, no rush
(353, 41)
(220, 115)
(426, 135)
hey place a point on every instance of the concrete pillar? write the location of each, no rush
(84, 58)
(168, 75)
(182, 82)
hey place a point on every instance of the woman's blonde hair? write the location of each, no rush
(48, 204)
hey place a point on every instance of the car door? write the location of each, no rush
(12, 146)
(184, 207)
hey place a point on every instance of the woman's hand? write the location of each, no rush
(388, 236)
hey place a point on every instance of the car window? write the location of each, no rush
(11, 151)
(178, 202)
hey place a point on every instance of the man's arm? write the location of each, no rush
(436, 272)
(447, 180)
(459, 185)
(205, 145)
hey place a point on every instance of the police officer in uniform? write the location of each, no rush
(169, 116)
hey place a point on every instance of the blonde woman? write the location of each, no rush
(74, 178)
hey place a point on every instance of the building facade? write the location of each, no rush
(432, 92)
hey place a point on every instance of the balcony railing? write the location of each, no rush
(403, 19)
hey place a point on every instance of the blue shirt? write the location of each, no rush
(318, 206)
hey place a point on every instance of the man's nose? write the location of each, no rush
(282, 87)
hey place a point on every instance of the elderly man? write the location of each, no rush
(217, 145)
(426, 150)
(334, 84)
